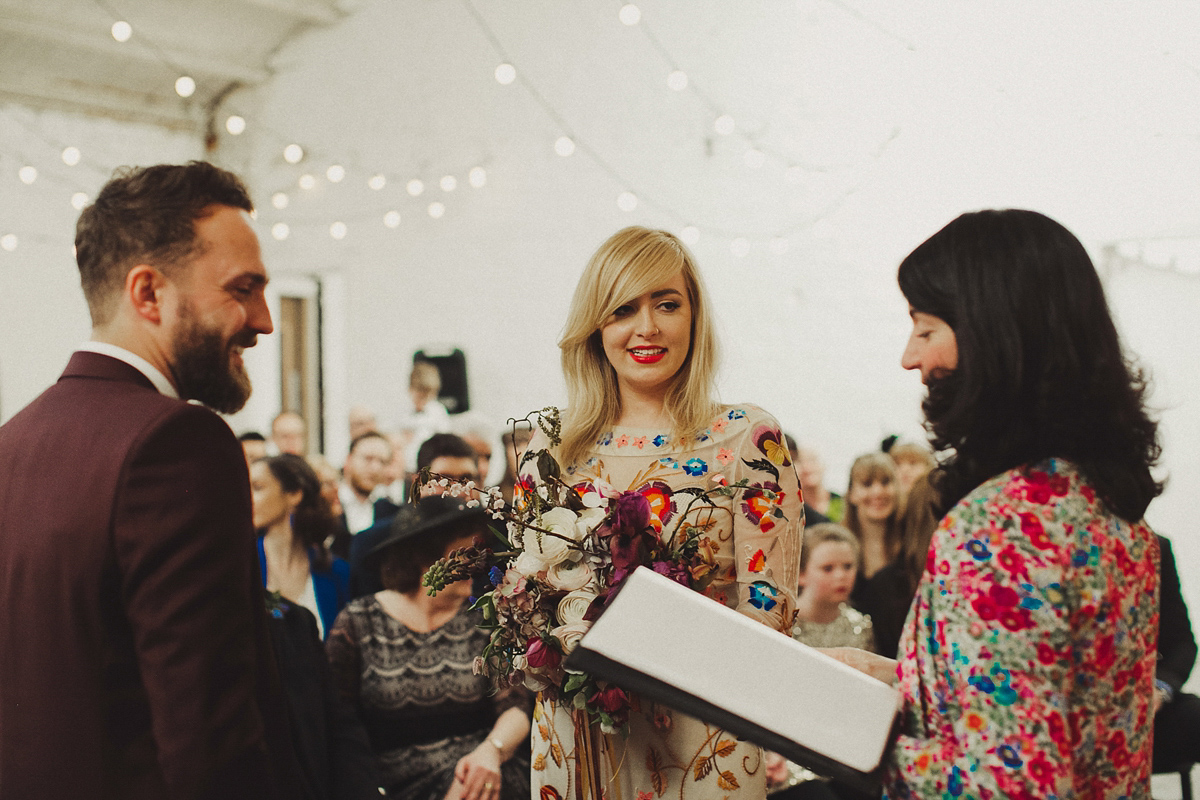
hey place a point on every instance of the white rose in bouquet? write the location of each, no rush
(569, 635)
(572, 607)
(568, 576)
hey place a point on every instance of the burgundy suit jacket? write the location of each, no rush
(134, 658)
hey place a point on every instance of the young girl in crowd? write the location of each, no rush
(828, 566)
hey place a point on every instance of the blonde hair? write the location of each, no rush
(868, 468)
(631, 263)
(824, 532)
(425, 376)
(912, 451)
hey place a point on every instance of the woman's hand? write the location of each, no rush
(477, 774)
(878, 667)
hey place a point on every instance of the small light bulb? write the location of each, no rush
(630, 14)
(755, 158)
(27, 174)
(9, 241)
(338, 230)
(506, 74)
(436, 210)
(448, 183)
(739, 247)
(627, 201)
(185, 86)
(335, 173)
(280, 230)
(235, 125)
(477, 177)
(392, 219)
(293, 153)
(779, 245)
(71, 156)
(415, 187)
(377, 182)
(279, 200)
(564, 146)
(677, 80)
(690, 235)
(724, 124)
(79, 200)
(307, 182)
(122, 30)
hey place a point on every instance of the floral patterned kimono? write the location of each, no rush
(1028, 657)
(756, 544)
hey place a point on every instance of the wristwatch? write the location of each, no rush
(495, 742)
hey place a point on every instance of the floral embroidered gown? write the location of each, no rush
(756, 543)
(1027, 660)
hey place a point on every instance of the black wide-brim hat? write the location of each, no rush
(426, 516)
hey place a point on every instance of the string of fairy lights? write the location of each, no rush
(756, 155)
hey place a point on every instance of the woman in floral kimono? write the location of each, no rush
(639, 358)
(1027, 660)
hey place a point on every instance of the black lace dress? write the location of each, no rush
(418, 699)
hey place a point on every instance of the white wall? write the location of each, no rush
(896, 117)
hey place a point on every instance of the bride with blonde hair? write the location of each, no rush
(639, 356)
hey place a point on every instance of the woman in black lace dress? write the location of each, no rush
(404, 660)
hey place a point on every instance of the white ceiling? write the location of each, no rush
(59, 54)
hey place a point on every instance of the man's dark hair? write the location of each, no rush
(362, 437)
(1040, 369)
(443, 445)
(147, 215)
(252, 436)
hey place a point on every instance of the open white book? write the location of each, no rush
(668, 643)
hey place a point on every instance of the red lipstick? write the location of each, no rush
(647, 356)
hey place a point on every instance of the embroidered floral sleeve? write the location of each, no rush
(766, 529)
(1030, 648)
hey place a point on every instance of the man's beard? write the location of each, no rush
(203, 366)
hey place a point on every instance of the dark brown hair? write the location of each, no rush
(312, 521)
(403, 564)
(147, 215)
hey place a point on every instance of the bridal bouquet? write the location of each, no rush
(562, 552)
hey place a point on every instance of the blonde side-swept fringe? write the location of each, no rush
(632, 262)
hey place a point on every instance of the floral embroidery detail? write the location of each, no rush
(695, 467)
(660, 440)
(762, 595)
(667, 461)
(760, 507)
(736, 413)
(605, 440)
(770, 441)
(720, 424)
(658, 494)
(640, 442)
(758, 562)
(622, 440)
(725, 455)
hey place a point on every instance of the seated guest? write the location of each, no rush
(811, 471)
(425, 414)
(893, 587)
(811, 515)
(828, 567)
(289, 433)
(331, 481)
(912, 461)
(362, 420)
(1176, 715)
(873, 516)
(362, 492)
(254, 446)
(328, 739)
(404, 660)
(294, 521)
(445, 455)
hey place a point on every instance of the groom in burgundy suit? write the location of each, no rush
(134, 659)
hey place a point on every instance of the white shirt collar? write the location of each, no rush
(134, 360)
